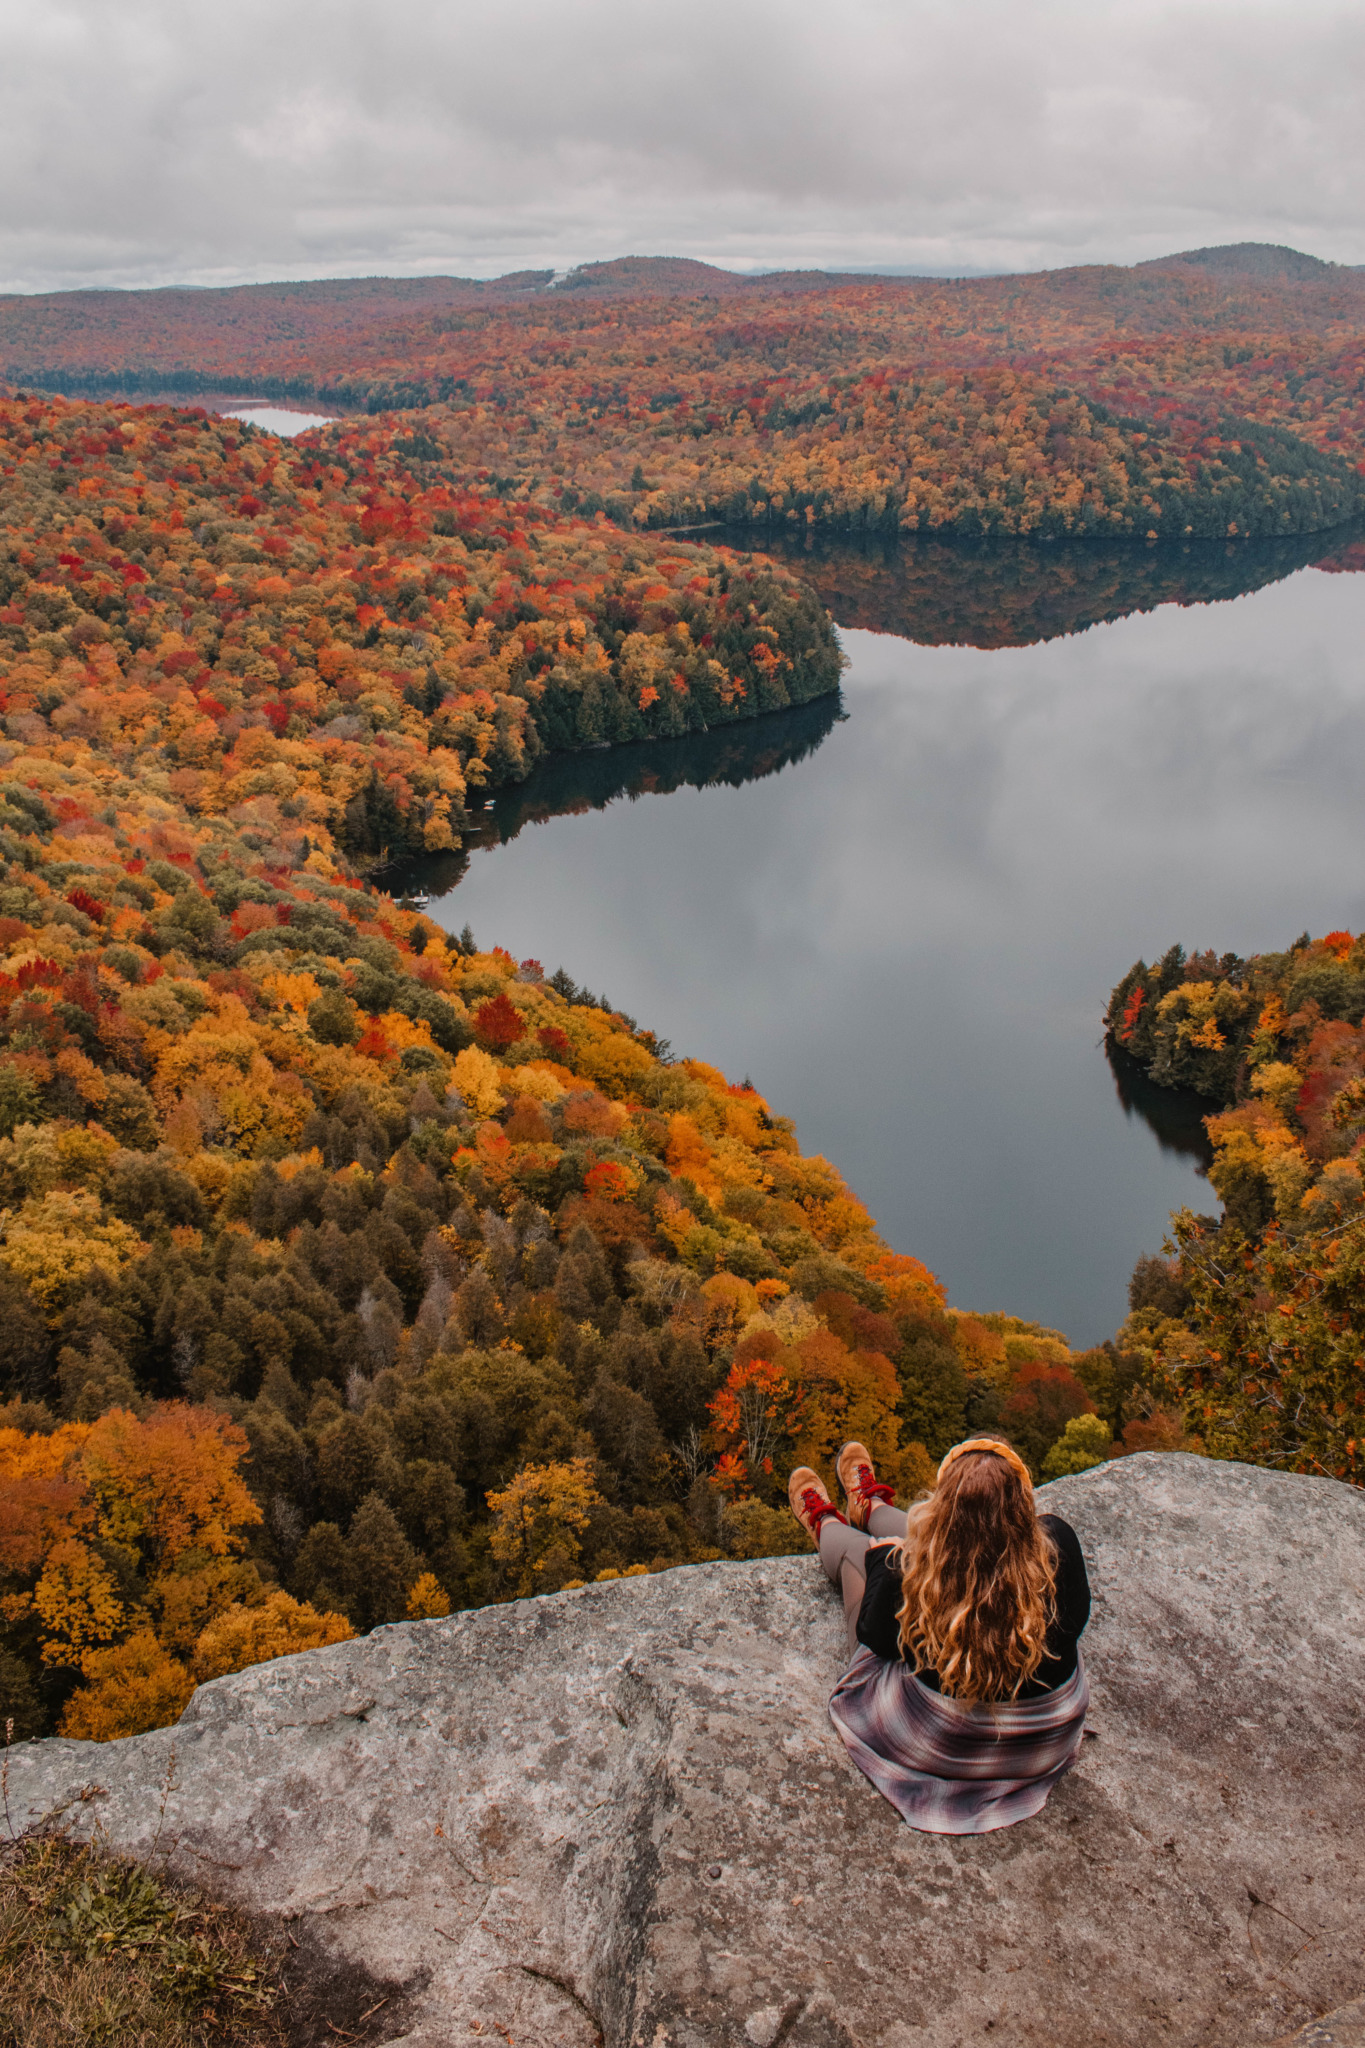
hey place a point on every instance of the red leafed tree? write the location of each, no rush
(1042, 1400)
(373, 1043)
(749, 1414)
(498, 1024)
(1132, 1011)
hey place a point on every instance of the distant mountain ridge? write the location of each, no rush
(1269, 260)
(380, 296)
(1273, 262)
(295, 338)
(652, 274)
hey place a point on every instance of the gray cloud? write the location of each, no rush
(211, 141)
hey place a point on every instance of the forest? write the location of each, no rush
(1255, 1318)
(350, 1273)
(1164, 403)
(391, 643)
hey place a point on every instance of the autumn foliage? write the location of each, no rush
(119, 1549)
(327, 1245)
(1266, 1346)
(312, 679)
(1158, 402)
(351, 1274)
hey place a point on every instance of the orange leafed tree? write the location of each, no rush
(42, 1497)
(101, 1523)
(278, 1626)
(169, 1483)
(755, 1411)
(795, 1404)
(133, 1687)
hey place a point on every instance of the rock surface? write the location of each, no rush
(622, 1813)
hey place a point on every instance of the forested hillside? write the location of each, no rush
(1259, 1318)
(348, 640)
(348, 1272)
(1162, 402)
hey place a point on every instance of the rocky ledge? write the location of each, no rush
(622, 1814)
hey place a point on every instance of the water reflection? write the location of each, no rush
(570, 785)
(279, 416)
(932, 594)
(284, 420)
(1002, 594)
(1175, 1116)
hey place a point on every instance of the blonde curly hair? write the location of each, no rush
(978, 1575)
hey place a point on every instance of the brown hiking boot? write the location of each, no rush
(810, 1503)
(862, 1488)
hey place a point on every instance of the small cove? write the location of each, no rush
(902, 912)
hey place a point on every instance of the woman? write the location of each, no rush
(965, 1700)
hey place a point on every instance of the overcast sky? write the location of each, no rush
(218, 141)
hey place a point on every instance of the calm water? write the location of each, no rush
(902, 915)
(277, 419)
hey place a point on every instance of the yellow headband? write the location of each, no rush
(995, 1449)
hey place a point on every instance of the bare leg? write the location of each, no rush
(842, 1551)
(852, 1585)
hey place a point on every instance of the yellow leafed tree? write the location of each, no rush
(427, 1600)
(252, 1635)
(133, 1687)
(538, 1520)
(77, 1599)
(476, 1077)
(56, 1243)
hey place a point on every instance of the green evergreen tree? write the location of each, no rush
(381, 1565)
(19, 1701)
(934, 1392)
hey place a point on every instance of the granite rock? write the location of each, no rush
(621, 1813)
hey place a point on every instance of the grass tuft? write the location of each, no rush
(96, 1949)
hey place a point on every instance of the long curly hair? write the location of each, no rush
(979, 1576)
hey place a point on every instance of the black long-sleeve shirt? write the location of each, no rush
(879, 1629)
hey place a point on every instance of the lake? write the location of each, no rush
(272, 416)
(285, 420)
(901, 912)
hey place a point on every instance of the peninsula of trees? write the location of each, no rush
(1258, 1319)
